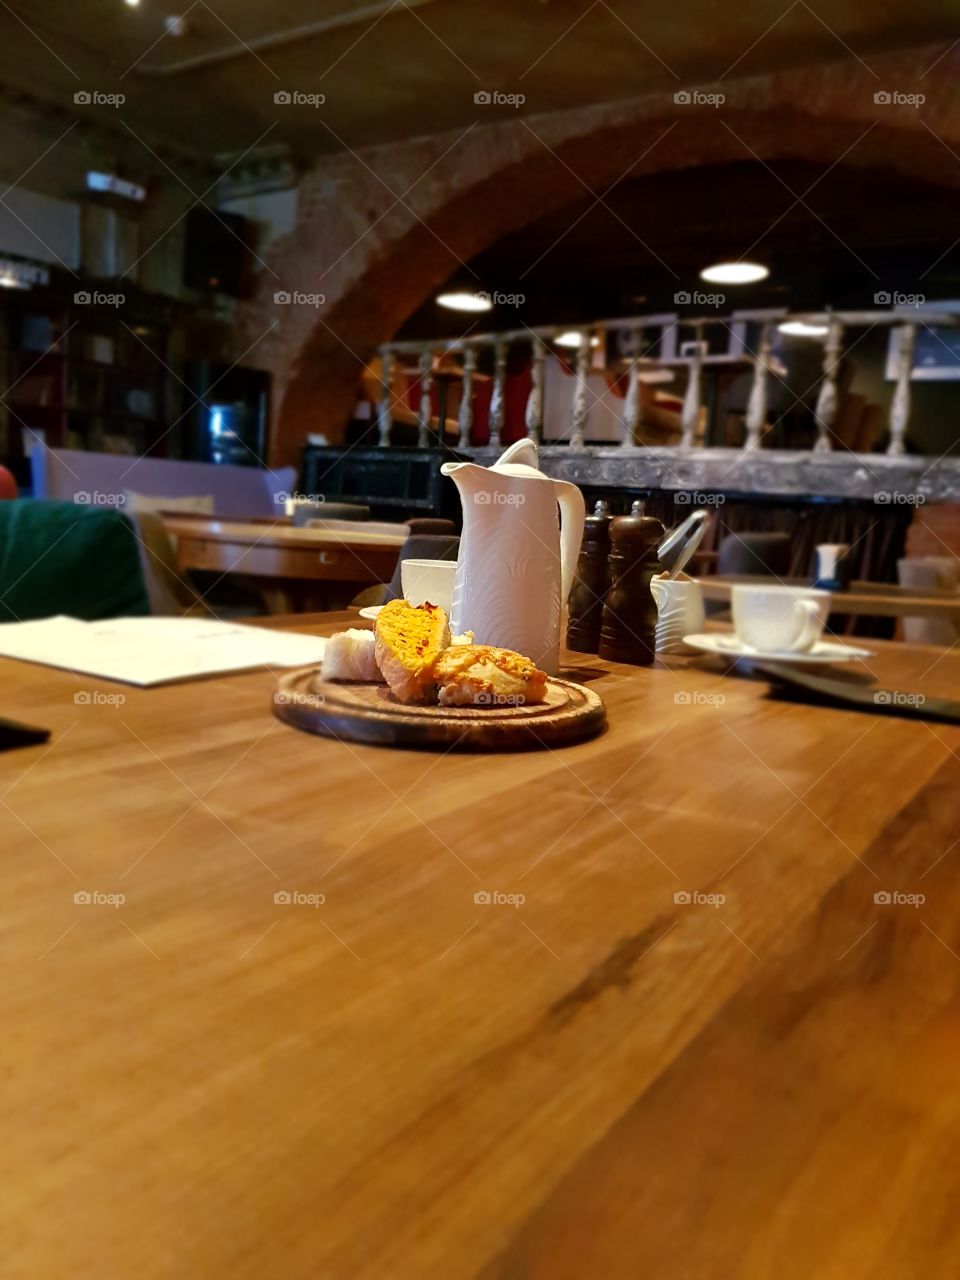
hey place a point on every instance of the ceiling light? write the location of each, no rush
(734, 273)
(801, 329)
(572, 338)
(460, 300)
(131, 3)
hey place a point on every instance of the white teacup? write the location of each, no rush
(432, 580)
(777, 619)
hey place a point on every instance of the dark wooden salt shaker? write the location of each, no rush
(586, 594)
(628, 624)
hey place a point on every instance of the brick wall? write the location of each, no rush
(378, 231)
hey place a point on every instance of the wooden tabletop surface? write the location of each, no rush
(279, 534)
(629, 1009)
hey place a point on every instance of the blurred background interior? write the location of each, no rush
(264, 261)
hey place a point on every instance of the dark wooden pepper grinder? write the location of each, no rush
(590, 584)
(628, 625)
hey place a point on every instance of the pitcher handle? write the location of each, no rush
(572, 516)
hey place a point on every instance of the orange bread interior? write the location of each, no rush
(409, 639)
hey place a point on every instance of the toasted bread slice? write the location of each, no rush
(410, 638)
(481, 675)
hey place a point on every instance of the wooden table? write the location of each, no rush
(700, 1047)
(291, 568)
(870, 599)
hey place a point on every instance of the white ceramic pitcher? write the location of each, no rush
(517, 555)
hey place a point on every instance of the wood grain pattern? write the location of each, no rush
(424, 1077)
(369, 713)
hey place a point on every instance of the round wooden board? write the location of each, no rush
(370, 713)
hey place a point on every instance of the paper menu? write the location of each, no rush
(152, 651)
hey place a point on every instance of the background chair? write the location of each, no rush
(429, 525)
(930, 573)
(170, 594)
(762, 554)
(421, 546)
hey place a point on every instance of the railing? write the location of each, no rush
(648, 343)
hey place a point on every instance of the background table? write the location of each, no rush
(291, 568)
(870, 599)
(700, 1047)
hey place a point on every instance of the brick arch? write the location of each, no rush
(385, 259)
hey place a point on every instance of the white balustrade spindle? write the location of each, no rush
(465, 416)
(631, 401)
(691, 401)
(498, 392)
(900, 407)
(581, 390)
(426, 382)
(533, 412)
(826, 410)
(384, 413)
(757, 404)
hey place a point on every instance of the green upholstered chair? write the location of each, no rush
(61, 557)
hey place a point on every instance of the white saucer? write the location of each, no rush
(729, 646)
(370, 611)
